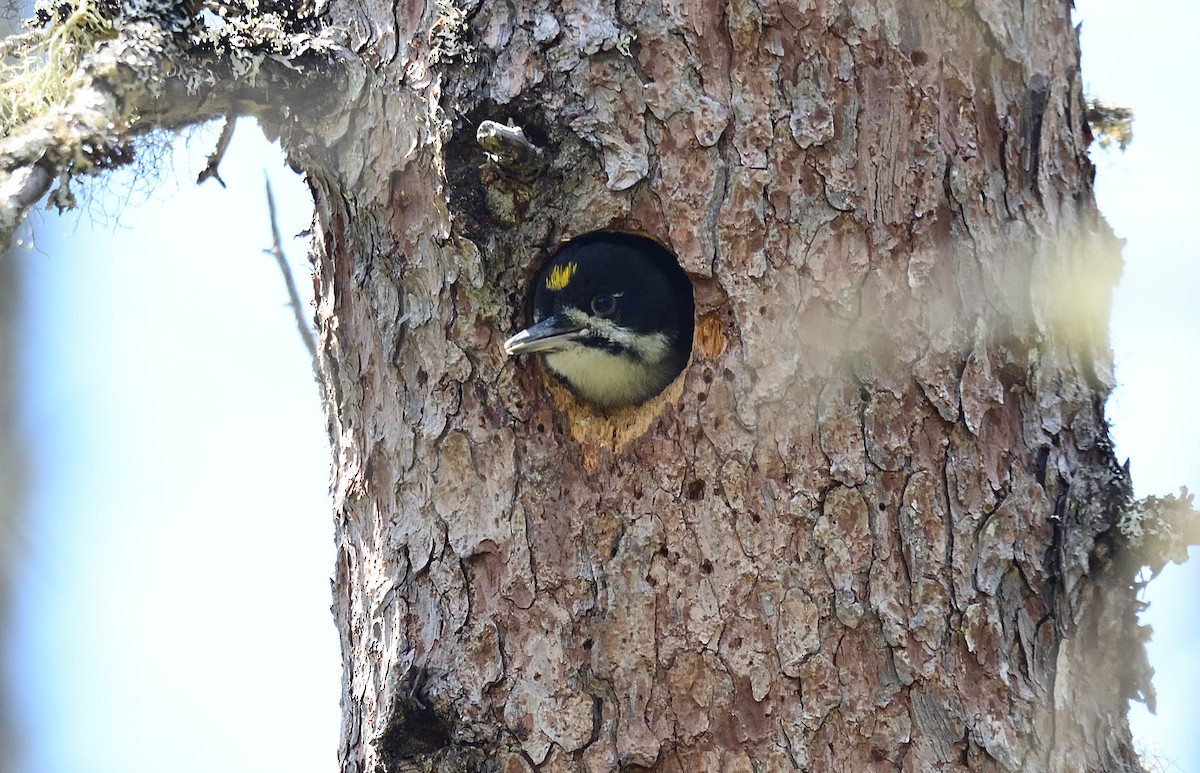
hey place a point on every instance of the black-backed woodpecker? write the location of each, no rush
(613, 318)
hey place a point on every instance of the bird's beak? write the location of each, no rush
(553, 332)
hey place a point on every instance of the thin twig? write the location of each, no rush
(214, 158)
(293, 296)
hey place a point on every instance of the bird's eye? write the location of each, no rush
(603, 305)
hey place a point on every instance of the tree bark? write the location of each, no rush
(871, 527)
(13, 470)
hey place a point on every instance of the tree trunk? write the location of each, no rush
(13, 468)
(869, 529)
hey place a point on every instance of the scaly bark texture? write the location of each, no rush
(870, 527)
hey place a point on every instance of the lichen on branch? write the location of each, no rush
(89, 77)
(1160, 529)
(41, 68)
(1111, 124)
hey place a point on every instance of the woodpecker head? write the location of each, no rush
(612, 317)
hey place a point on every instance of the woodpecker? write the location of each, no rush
(613, 318)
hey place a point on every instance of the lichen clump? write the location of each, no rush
(1157, 527)
(40, 68)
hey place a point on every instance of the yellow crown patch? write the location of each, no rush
(560, 276)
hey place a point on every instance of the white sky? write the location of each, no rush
(1143, 55)
(179, 546)
(180, 541)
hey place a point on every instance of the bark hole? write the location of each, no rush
(633, 310)
(415, 730)
(1035, 109)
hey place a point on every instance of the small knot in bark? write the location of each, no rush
(512, 153)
